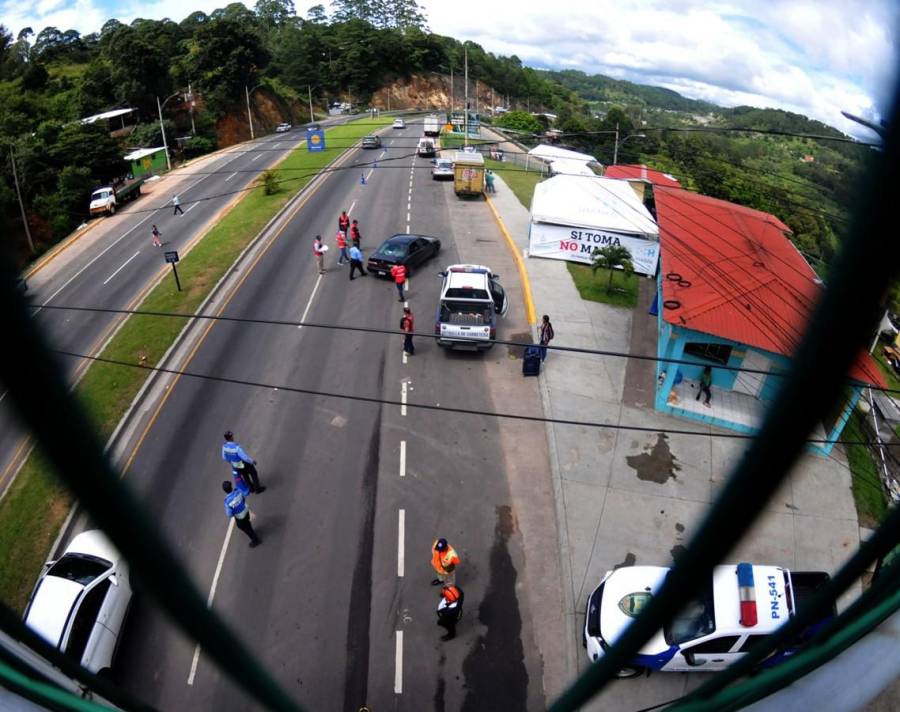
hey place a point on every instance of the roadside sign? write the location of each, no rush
(315, 140)
(172, 257)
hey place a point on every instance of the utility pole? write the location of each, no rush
(476, 97)
(163, 129)
(451, 90)
(312, 117)
(12, 157)
(249, 115)
(191, 105)
(466, 124)
(616, 149)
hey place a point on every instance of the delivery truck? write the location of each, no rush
(432, 125)
(468, 174)
(107, 199)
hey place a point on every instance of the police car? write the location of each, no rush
(740, 606)
(471, 300)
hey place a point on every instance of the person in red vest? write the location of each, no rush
(449, 610)
(406, 325)
(444, 560)
(344, 222)
(354, 233)
(398, 272)
(342, 246)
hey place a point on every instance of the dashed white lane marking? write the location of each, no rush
(405, 358)
(191, 207)
(258, 155)
(407, 228)
(231, 176)
(382, 154)
(398, 664)
(309, 303)
(212, 595)
(352, 205)
(403, 398)
(124, 264)
(403, 458)
(401, 541)
(3, 395)
(371, 171)
(409, 205)
(407, 217)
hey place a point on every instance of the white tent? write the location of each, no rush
(563, 161)
(571, 215)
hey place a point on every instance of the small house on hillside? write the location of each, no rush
(734, 293)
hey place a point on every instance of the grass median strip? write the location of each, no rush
(36, 505)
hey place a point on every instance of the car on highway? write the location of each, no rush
(399, 124)
(738, 606)
(470, 302)
(81, 600)
(371, 141)
(282, 128)
(442, 168)
(412, 251)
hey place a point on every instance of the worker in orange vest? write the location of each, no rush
(444, 560)
(344, 222)
(398, 272)
(450, 610)
(342, 247)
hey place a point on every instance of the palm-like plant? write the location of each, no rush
(610, 258)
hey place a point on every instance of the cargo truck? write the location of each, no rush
(432, 125)
(107, 199)
(468, 174)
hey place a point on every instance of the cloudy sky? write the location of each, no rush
(815, 57)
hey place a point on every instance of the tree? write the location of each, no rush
(519, 121)
(274, 13)
(405, 14)
(610, 258)
(316, 14)
(35, 77)
(372, 11)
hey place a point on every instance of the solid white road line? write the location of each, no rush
(401, 541)
(212, 595)
(403, 398)
(398, 664)
(311, 297)
(124, 264)
(403, 458)
(231, 176)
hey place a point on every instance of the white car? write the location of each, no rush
(441, 168)
(399, 124)
(80, 601)
(282, 128)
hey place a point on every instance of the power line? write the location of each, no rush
(436, 408)
(420, 334)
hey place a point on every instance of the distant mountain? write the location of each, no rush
(596, 87)
(750, 117)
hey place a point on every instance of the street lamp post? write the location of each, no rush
(162, 128)
(616, 149)
(247, 93)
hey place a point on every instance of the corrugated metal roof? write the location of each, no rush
(139, 153)
(106, 115)
(641, 172)
(732, 272)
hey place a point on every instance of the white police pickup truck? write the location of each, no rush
(741, 605)
(471, 299)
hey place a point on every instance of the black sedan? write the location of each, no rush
(409, 250)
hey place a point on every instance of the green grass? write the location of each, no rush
(886, 370)
(593, 287)
(37, 504)
(868, 493)
(519, 181)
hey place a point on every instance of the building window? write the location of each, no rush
(717, 353)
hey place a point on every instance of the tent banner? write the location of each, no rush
(576, 244)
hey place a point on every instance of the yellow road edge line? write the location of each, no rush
(234, 290)
(520, 264)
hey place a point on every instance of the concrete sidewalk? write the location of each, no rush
(631, 497)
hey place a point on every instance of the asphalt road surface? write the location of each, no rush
(121, 267)
(337, 601)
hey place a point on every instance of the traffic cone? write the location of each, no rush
(374, 164)
(362, 179)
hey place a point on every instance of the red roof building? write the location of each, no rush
(733, 291)
(641, 173)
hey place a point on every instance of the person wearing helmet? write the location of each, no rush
(444, 560)
(241, 463)
(449, 610)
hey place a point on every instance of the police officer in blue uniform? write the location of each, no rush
(236, 506)
(241, 463)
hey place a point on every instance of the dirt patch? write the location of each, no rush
(523, 338)
(657, 463)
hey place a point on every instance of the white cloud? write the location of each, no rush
(811, 57)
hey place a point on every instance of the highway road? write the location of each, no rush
(118, 268)
(337, 601)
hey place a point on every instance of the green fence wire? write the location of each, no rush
(840, 326)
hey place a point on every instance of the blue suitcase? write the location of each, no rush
(531, 361)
